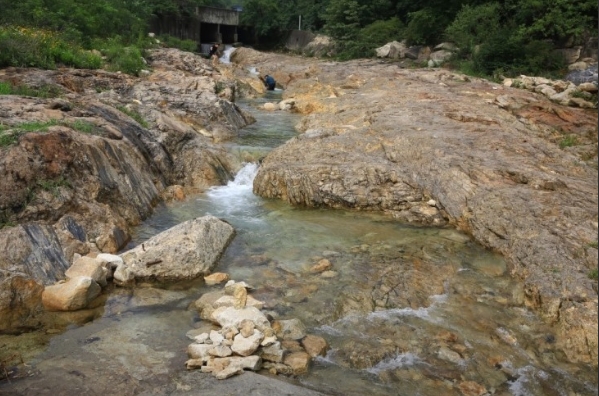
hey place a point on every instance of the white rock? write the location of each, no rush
(199, 351)
(200, 339)
(245, 346)
(229, 316)
(216, 337)
(220, 351)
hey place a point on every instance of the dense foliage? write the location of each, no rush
(510, 36)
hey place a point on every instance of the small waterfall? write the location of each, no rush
(236, 199)
(226, 58)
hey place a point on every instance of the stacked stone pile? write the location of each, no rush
(248, 339)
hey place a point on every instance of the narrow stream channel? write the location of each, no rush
(406, 310)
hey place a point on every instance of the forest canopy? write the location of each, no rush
(510, 35)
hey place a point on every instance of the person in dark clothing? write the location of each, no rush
(213, 53)
(269, 82)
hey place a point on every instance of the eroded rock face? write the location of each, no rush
(102, 155)
(377, 137)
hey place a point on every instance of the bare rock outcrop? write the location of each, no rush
(494, 161)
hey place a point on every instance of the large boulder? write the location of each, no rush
(185, 251)
(393, 50)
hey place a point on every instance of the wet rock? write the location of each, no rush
(292, 346)
(298, 361)
(315, 346)
(449, 355)
(321, 266)
(470, 388)
(216, 278)
(72, 295)
(329, 274)
(292, 329)
(273, 353)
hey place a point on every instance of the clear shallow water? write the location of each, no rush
(406, 310)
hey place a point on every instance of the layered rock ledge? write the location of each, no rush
(78, 170)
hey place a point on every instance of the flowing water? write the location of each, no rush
(406, 310)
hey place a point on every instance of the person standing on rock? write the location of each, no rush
(213, 53)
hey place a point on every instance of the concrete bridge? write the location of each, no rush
(205, 26)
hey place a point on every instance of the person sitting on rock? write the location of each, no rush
(269, 82)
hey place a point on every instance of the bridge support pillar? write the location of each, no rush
(219, 36)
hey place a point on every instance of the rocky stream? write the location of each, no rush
(430, 228)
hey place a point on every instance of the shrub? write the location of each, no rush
(474, 25)
(24, 47)
(126, 59)
(183, 45)
(381, 32)
(425, 26)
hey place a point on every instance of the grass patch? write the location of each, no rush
(83, 126)
(10, 135)
(46, 91)
(593, 244)
(8, 138)
(133, 114)
(53, 185)
(568, 141)
(593, 274)
(219, 87)
(5, 220)
(36, 126)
